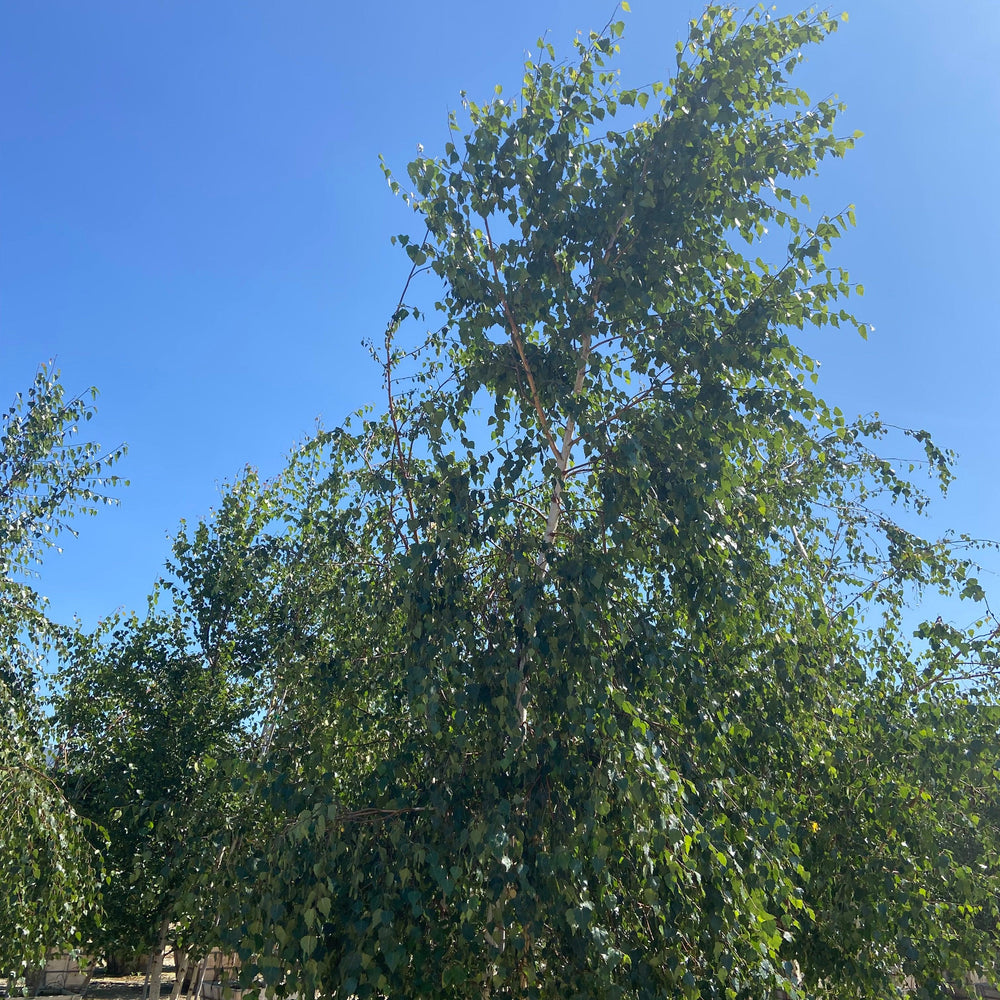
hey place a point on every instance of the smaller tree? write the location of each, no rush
(47, 865)
(161, 711)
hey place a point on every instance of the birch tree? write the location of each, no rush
(48, 868)
(620, 698)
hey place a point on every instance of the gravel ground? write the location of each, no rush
(126, 988)
(107, 988)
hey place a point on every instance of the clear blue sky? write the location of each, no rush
(193, 219)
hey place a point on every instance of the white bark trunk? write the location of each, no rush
(156, 966)
(180, 972)
(202, 968)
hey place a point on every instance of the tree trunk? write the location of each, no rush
(156, 966)
(202, 968)
(180, 972)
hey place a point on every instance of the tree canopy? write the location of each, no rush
(623, 695)
(593, 665)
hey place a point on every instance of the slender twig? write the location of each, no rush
(516, 337)
(390, 331)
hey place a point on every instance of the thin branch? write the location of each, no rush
(515, 334)
(390, 331)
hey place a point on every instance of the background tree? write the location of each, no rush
(159, 711)
(47, 867)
